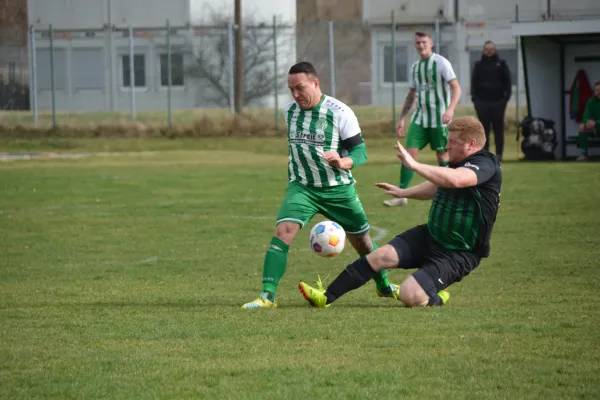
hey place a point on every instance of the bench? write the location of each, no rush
(593, 141)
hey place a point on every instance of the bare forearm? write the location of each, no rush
(455, 97)
(422, 191)
(408, 103)
(439, 176)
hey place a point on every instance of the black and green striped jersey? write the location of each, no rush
(329, 126)
(462, 219)
(429, 78)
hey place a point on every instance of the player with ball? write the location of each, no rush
(324, 144)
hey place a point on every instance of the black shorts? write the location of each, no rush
(438, 267)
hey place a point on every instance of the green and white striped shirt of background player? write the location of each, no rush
(315, 131)
(429, 78)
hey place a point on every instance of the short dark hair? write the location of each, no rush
(489, 42)
(597, 83)
(423, 34)
(303, 67)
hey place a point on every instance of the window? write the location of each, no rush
(176, 69)
(44, 70)
(509, 55)
(401, 64)
(139, 70)
(87, 68)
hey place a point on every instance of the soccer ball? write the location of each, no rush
(327, 239)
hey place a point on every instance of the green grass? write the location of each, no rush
(86, 119)
(121, 276)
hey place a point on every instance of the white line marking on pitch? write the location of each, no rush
(380, 233)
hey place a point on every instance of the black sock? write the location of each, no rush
(354, 276)
(435, 301)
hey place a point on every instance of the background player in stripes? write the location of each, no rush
(324, 144)
(465, 201)
(434, 87)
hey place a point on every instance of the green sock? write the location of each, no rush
(406, 176)
(582, 143)
(381, 277)
(443, 163)
(274, 267)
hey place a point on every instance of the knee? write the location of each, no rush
(286, 231)
(384, 257)
(412, 294)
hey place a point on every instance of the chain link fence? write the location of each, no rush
(166, 68)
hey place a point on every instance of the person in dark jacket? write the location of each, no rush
(491, 88)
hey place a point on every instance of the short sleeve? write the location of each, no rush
(348, 124)
(484, 167)
(446, 70)
(411, 77)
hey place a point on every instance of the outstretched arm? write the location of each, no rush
(440, 176)
(422, 191)
(446, 177)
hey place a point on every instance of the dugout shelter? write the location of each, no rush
(554, 53)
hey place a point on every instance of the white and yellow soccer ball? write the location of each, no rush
(327, 239)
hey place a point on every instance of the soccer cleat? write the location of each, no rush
(316, 297)
(396, 202)
(261, 302)
(444, 295)
(394, 294)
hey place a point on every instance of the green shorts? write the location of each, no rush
(340, 204)
(418, 137)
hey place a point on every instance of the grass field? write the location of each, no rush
(364, 113)
(375, 122)
(121, 276)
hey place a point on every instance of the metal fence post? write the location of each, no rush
(331, 59)
(394, 64)
(34, 91)
(51, 33)
(230, 64)
(275, 70)
(517, 101)
(169, 74)
(437, 35)
(132, 72)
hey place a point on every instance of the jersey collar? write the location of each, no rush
(323, 96)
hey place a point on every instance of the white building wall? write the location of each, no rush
(89, 76)
(88, 57)
(84, 14)
(407, 11)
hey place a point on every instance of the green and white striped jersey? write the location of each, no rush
(313, 132)
(429, 78)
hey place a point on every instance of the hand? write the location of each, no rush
(333, 158)
(390, 189)
(591, 124)
(400, 128)
(405, 157)
(447, 117)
